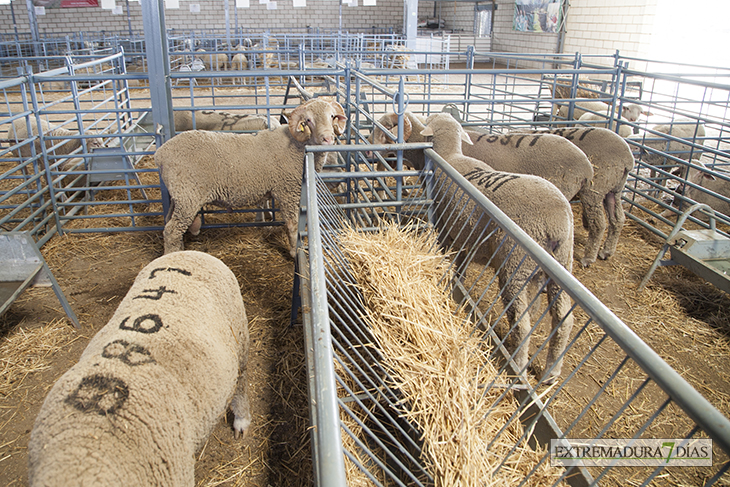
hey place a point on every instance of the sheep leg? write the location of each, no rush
(595, 221)
(616, 219)
(562, 319)
(241, 407)
(290, 215)
(519, 318)
(194, 228)
(175, 229)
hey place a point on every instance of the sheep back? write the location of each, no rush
(215, 120)
(203, 167)
(548, 156)
(151, 384)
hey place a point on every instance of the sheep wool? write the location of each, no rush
(612, 161)
(235, 170)
(151, 384)
(534, 204)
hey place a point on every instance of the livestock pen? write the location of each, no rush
(612, 385)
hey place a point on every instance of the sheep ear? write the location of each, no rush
(298, 125)
(465, 137)
(340, 119)
(427, 132)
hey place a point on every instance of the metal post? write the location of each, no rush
(33, 21)
(129, 20)
(153, 19)
(226, 6)
(411, 21)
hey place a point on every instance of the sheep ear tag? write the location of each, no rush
(302, 127)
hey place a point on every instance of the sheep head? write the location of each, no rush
(443, 125)
(318, 119)
(390, 121)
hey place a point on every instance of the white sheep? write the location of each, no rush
(18, 132)
(550, 156)
(221, 121)
(231, 170)
(538, 207)
(596, 114)
(612, 160)
(713, 180)
(217, 61)
(239, 62)
(690, 130)
(152, 384)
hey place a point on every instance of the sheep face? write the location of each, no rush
(318, 121)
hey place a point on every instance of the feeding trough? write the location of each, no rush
(705, 252)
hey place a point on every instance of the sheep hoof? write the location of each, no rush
(550, 379)
(603, 255)
(585, 262)
(240, 427)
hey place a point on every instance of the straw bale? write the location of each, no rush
(436, 364)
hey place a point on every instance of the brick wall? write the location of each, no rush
(603, 26)
(321, 14)
(594, 26)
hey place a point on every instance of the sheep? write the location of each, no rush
(218, 61)
(221, 121)
(596, 114)
(682, 129)
(18, 131)
(708, 180)
(239, 62)
(538, 207)
(152, 384)
(612, 160)
(228, 170)
(562, 162)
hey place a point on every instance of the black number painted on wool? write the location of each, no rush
(155, 294)
(228, 120)
(150, 323)
(506, 139)
(169, 269)
(489, 179)
(131, 354)
(570, 133)
(99, 394)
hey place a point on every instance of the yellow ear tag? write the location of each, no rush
(302, 126)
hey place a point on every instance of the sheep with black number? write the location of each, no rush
(603, 213)
(18, 132)
(534, 204)
(222, 121)
(151, 385)
(690, 130)
(547, 155)
(231, 170)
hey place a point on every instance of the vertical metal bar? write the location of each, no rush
(153, 18)
(330, 461)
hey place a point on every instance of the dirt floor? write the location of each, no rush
(681, 317)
